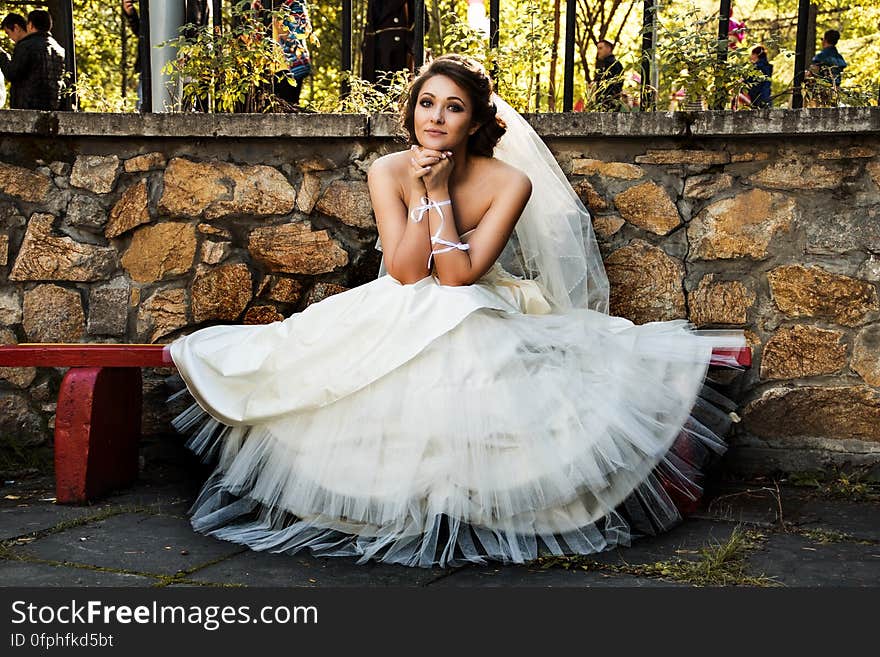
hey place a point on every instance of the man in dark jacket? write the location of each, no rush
(829, 63)
(388, 39)
(36, 68)
(826, 69)
(15, 27)
(609, 77)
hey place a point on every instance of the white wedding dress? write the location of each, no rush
(425, 424)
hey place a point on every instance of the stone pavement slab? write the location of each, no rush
(263, 569)
(797, 506)
(165, 499)
(135, 542)
(525, 576)
(267, 569)
(25, 519)
(20, 573)
(795, 560)
(860, 520)
(27, 506)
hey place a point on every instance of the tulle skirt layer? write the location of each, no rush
(467, 430)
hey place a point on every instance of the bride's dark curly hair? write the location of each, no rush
(471, 76)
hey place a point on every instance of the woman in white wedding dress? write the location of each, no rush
(474, 401)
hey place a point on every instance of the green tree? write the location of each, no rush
(106, 78)
(528, 61)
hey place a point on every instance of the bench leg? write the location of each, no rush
(97, 429)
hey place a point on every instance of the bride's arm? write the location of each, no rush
(406, 244)
(465, 267)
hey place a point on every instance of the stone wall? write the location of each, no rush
(137, 229)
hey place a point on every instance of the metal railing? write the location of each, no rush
(648, 100)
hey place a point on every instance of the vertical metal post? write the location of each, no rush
(494, 25)
(66, 9)
(810, 45)
(123, 69)
(568, 67)
(723, 30)
(217, 15)
(419, 34)
(146, 80)
(494, 20)
(797, 96)
(538, 92)
(346, 47)
(648, 100)
(166, 18)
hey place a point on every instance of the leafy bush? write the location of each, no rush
(229, 71)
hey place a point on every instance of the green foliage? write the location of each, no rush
(518, 60)
(687, 41)
(689, 62)
(230, 71)
(322, 88)
(855, 485)
(365, 97)
(101, 67)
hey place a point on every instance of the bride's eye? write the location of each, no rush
(425, 102)
(456, 108)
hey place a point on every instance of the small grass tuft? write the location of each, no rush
(719, 564)
(853, 485)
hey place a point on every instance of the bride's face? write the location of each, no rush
(443, 114)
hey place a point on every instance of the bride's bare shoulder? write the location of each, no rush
(386, 174)
(506, 176)
(392, 163)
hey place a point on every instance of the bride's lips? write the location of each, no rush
(434, 132)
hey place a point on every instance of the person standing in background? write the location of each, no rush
(36, 67)
(759, 82)
(736, 31)
(291, 27)
(609, 77)
(388, 39)
(826, 70)
(15, 27)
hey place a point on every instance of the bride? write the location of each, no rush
(475, 401)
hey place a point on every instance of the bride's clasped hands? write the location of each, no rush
(430, 170)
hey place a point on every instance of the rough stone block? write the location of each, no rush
(296, 249)
(108, 309)
(800, 291)
(646, 284)
(799, 351)
(53, 314)
(96, 173)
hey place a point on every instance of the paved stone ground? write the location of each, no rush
(141, 537)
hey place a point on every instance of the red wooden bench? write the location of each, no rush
(98, 415)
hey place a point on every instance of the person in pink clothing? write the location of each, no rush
(736, 31)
